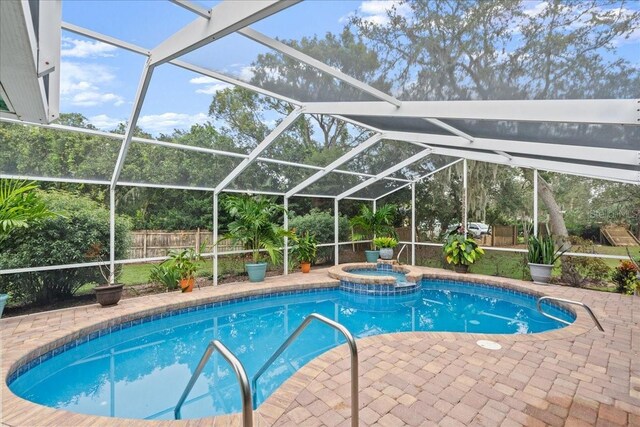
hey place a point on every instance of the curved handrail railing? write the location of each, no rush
(354, 359)
(241, 374)
(568, 301)
(400, 252)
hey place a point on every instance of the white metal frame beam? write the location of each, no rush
(433, 172)
(282, 126)
(227, 17)
(193, 7)
(416, 157)
(601, 111)
(145, 79)
(335, 164)
(306, 59)
(595, 154)
(178, 63)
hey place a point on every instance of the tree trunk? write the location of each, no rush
(558, 227)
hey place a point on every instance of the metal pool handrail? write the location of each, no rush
(354, 359)
(400, 252)
(568, 301)
(241, 374)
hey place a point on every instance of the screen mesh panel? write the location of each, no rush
(263, 176)
(149, 164)
(39, 152)
(382, 156)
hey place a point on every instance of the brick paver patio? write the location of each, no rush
(573, 376)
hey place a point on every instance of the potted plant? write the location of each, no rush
(372, 224)
(253, 226)
(165, 274)
(185, 263)
(108, 293)
(20, 206)
(461, 251)
(306, 250)
(385, 245)
(542, 255)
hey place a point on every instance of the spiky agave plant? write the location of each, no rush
(542, 250)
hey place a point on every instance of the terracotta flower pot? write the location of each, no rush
(305, 267)
(187, 284)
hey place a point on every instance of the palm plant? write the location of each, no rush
(253, 225)
(19, 206)
(371, 223)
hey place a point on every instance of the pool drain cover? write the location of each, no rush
(489, 345)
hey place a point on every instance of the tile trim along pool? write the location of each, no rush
(30, 339)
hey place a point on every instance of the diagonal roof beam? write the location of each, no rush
(227, 17)
(433, 172)
(192, 7)
(334, 165)
(179, 63)
(304, 58)
(512, 147)
(416, 157)
(283, 126)
(597, 111)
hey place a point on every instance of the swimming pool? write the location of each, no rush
(140, 369)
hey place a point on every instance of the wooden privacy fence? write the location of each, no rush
(158, 243)
(504, 235)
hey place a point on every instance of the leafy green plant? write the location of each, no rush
(625, 276)
(68, 238)
(385, 242)
(461, 250)
(542, 250)
(253, 225)
(369, 223)
(305, 248)
(167, 275)
(20, 206)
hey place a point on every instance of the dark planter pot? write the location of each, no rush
(461, 268)
(372, 256)
(108, 295)
(256, 272)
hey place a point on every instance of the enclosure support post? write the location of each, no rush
(335, 231)
(215, 239)
(535, 202)
(413, 224)
(112, 235)
(465, 200)
(286, 239)
(375, 209)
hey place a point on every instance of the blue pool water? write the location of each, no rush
(140, 371)
(400, 277)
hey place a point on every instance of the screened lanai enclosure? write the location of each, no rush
(364, 104)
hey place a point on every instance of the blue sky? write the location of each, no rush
(100, 81)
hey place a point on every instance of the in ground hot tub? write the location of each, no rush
(382, 278)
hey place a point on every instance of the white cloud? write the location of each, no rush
(82, 85)
(84, 49)
(104, 122)
(375, 11)
(91, 99)
(212, 86)
(167, 122)
(153, 123)
(203, 80)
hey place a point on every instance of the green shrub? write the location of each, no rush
(80, 235)
(321, 225)
(580, 271)
(625, 277)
